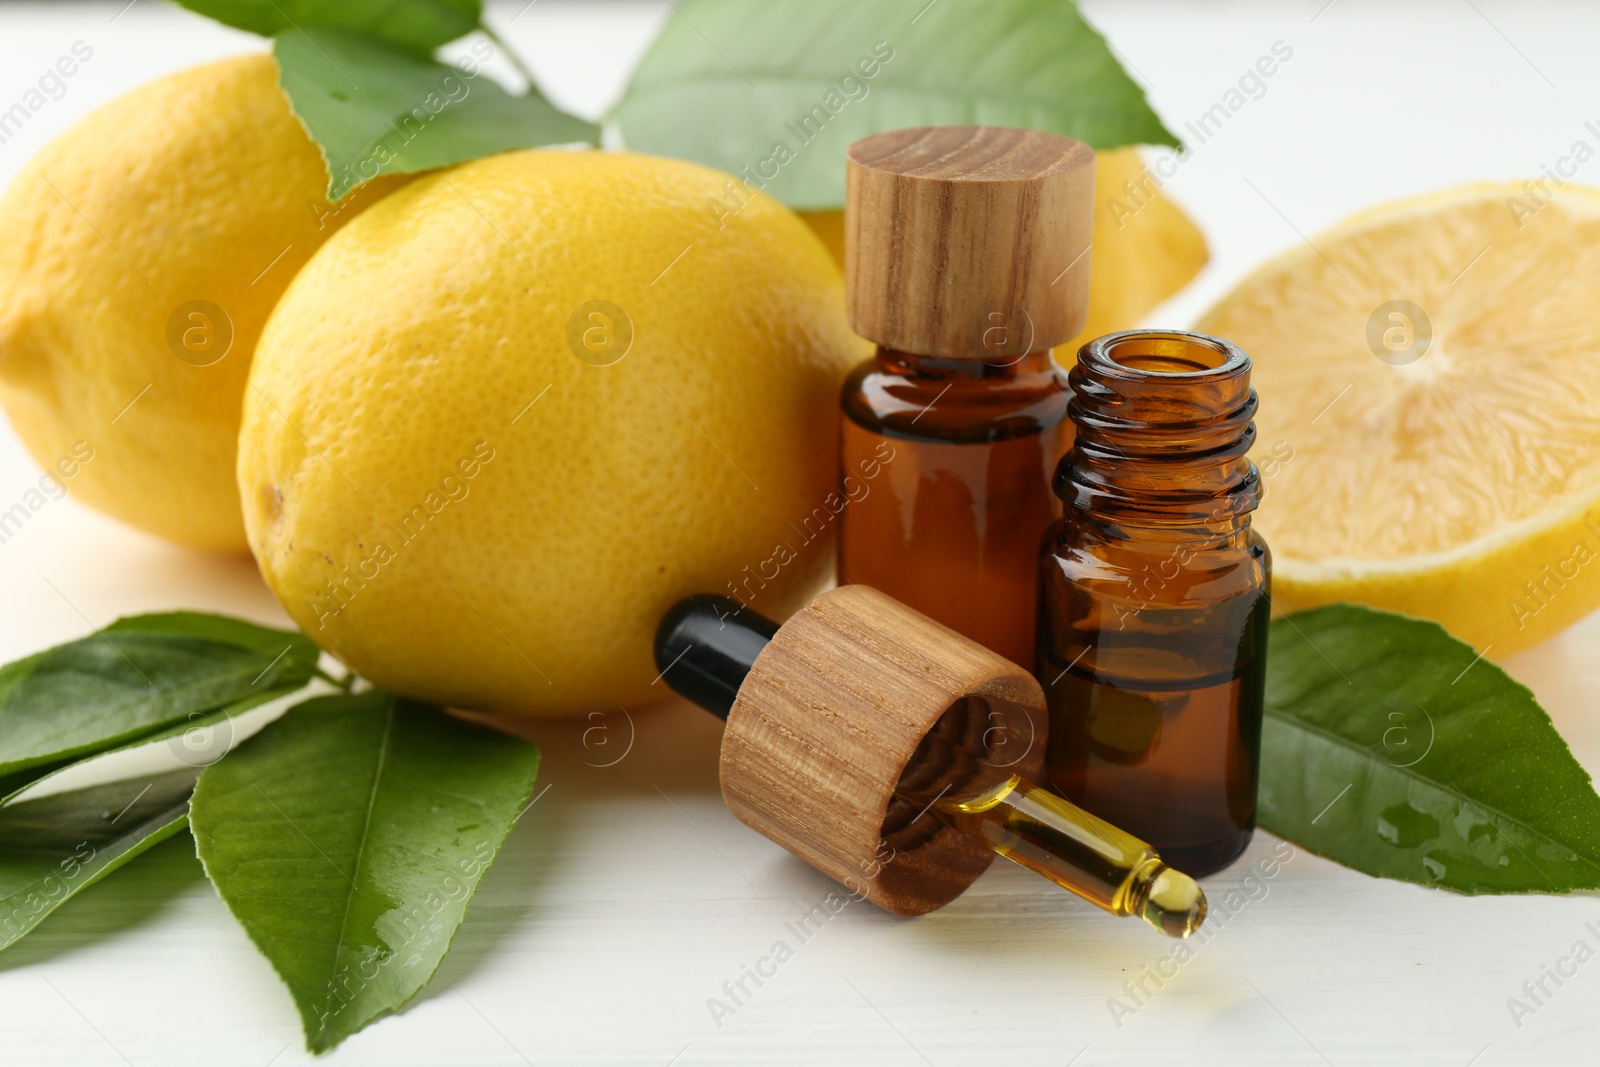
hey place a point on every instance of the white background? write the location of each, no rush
(628, 895)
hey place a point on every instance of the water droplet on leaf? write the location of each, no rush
(1405, 827)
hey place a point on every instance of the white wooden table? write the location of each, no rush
(629, 895)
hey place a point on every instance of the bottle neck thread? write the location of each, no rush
(1163, 420)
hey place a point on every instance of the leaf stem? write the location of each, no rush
(511, 56)
(345, 683)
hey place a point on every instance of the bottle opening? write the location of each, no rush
(1168, 353)
(1163, 422)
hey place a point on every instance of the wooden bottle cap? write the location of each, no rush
(968, 242)
(827, 720)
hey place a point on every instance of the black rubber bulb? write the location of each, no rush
(705, 647)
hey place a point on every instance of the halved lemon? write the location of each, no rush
(1429, 432)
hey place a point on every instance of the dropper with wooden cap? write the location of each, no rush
(966, 260)
(898, 757)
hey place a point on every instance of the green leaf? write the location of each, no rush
(775, 92)
(1395, 749)
(375, 109)
(45, 841)
(223, 629)
(198, 740)
(137, 676)
(55, 847)
(348, 838)
(420, 25)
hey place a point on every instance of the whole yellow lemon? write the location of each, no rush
(509, 415)
(143, 251)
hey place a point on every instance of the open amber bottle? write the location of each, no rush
(1154, 603)
(966, 259)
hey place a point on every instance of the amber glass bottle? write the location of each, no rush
(1153, 601)
(966, 259)
(954, 526)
